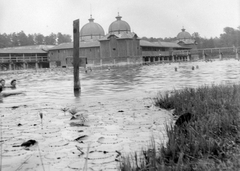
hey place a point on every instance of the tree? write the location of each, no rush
(39, 39)
(210, 43)
(144, 38)
(217, 42)
(14, 39)
(51, 39)
(30, 39)
(151, 39)
(22, 39)
(229, 30)
(230, 38)
(63, 38)
(169, 39)
(5, 40)
(196, 37)
(2, 41)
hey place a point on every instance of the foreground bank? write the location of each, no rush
(114, 126)
(208, 140)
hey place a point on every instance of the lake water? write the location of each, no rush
(57, 85)
(117, 104)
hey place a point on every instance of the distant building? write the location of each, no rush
(35, 56)
(119, 45)
(186, 40)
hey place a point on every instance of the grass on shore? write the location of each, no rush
(210, 141)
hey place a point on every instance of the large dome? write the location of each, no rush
(91, 30)
(119, 26)
(184, 35)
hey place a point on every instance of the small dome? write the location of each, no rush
(119, 26)
(91, 30)
(184, 35)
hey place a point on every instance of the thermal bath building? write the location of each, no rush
(118, 45)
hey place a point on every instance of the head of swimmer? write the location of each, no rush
(2, 82)
(13, 83)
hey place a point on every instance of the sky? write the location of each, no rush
(149, 18)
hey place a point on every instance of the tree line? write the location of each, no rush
(21, 39)
(229, 38)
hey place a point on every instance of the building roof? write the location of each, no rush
(149, 44)
(119, 26)
(187, 41)
(122, 35)
(160, 44)
(27, 49)
(185, 38)
(144, 43)
(81, 45)
(91, 29)
(184, 35)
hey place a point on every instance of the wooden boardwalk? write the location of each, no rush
(23, 62)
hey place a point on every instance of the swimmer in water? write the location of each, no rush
(13, 84)
(9, 93)
(1, 94)
(2, 82)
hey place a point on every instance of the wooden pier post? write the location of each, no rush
(237, 57)
(10, 66)
(173, 60)
(36, 61)
(204, 57)
(220, 55)
(36, 65)
(76, 60)
(24, 64)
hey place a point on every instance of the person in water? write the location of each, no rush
(13, 84)
(2, 82)
(1, 95)
(9, 93)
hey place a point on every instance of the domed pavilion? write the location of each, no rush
(119, 26)
(120, 42)
(91, 31)
(185, 39)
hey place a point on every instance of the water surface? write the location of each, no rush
(56, 85)
(116, 103)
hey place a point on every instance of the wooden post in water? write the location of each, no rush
(220, 55)
(76, 60)
(204, 57)
(172, 56)
(236, 53)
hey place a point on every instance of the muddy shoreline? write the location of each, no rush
(115, 127)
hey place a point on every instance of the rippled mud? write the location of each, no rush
(113, 128)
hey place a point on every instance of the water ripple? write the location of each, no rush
(57, 85)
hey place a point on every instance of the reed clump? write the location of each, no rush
(209, 141)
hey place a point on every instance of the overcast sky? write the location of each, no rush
(150, 18)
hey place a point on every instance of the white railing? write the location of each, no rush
(155, 53)
(24, 59)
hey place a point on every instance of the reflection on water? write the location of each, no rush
(57, 85)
